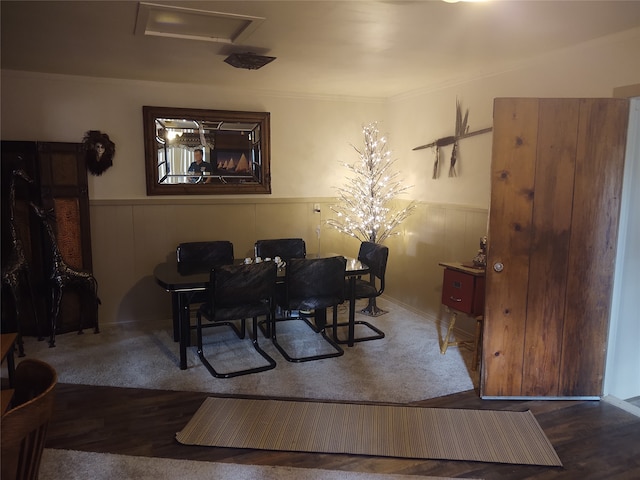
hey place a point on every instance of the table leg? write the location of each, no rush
(185, 331)
(11, 366)
(175, 308)
(446, 342)
(320, 317)
(352, 311)
(477, 343)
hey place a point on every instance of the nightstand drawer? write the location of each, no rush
(458, 291)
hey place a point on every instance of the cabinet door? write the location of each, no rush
(64, 188)
(556, 181)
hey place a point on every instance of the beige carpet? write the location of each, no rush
(403, 367)
(75, 465)
(380, 430)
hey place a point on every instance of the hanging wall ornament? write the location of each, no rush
(461, 131)
(99, 151)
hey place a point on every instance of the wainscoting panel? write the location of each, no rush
(131, 237)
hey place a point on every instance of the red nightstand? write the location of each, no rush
(463, 291)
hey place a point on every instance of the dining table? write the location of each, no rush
(182, 286)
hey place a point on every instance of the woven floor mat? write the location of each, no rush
(379, 430)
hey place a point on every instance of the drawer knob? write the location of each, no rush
(458, 300)
(498, 267)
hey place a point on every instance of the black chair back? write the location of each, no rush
(243, 288)
(313, 283)
(197, 257)
(238, 292)
(285, 248)
(375, 257)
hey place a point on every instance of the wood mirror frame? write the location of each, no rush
(236, 147)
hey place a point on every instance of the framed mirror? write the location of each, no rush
(206, 152)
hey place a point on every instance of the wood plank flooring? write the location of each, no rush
(594, 440)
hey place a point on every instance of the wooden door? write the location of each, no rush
(556, 182)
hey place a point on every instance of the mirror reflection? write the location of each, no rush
(192, 151)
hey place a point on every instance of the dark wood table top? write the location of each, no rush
(6, 395)
(168, 277)
(7, 341)
(464, 267)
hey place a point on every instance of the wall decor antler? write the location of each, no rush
(461, 131)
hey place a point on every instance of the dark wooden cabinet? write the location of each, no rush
(556, 181)
(60, 185)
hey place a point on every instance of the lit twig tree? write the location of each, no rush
(364, 211)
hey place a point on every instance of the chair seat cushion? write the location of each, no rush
(364, 289)
(308, 303)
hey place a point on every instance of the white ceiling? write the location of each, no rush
(361, 48)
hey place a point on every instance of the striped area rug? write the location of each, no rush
(379, 430)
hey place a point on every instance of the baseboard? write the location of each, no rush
(517, 397)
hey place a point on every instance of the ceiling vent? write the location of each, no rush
(249, 61)
(192, 24)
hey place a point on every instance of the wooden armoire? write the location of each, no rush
(556, 181)
(60, 185)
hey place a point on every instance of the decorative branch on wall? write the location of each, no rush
(461, 131)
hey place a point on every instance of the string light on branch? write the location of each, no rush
(364, 211)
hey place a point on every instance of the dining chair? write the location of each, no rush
(197, 257)
(200, 257)
(285, 248)
(375, 257)
(313, 285)
(24, 426)
(238, 292)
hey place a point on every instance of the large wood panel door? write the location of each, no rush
(556, 171)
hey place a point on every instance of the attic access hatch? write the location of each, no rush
(193, 24)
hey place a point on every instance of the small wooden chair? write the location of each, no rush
(24, 427)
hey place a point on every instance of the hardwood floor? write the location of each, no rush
(594, 440)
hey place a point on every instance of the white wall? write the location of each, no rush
(308, 135)
(311, 135)
(590, 70)
(418, 118)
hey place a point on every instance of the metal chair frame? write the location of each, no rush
(202, 257)
(237, 292)
(375, 257)
(313, 285)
